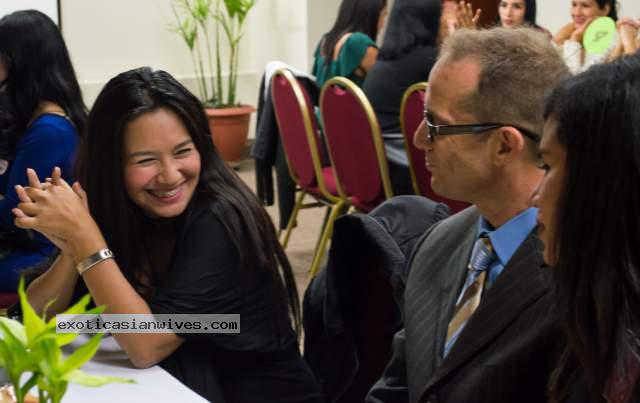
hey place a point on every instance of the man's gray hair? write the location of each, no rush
(518, 66)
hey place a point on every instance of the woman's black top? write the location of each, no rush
(261, 364)
(387, 80)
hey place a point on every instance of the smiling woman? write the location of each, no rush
(569, 38)
(162, 166)
(166, 228)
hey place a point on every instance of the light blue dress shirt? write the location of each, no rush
(505, 241)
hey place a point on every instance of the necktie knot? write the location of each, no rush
(482, 255)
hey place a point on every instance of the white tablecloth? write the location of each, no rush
(152, 385)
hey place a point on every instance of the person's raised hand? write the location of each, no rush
(578, 33)
(55, 209)
(564, 33)
(628, 32)
(467, 18)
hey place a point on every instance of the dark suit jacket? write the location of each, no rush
(508, 347)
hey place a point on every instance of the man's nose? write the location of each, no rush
(420, 136)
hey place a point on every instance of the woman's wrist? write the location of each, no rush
(86, 244)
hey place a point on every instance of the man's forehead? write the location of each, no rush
(463, 73)
(452, 81)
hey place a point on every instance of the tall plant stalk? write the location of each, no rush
(229, 16)
(218, 57)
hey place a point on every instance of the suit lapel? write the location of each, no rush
(517, 287)
(450, 290)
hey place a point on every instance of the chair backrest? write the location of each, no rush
(7, 299)
(298, 130)
(352, 135)
(411, 115)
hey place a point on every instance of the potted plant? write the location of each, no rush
(33, 349)
(228, 120)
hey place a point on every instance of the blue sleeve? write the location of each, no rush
(42, 147)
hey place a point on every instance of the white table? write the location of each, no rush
(152, 385)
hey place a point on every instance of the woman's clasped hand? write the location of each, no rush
(56, 209)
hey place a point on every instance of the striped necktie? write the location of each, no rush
(481, 258)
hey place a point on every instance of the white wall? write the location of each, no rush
(553, 14)
(109, 37)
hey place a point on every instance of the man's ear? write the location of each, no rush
(509, 144)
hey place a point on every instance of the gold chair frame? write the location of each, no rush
(421, 86)
(378, 143)
(336, 205)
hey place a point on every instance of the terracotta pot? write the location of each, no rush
(229, 129)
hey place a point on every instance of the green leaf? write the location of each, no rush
(82, 378)
(43, 385)
(33, 324)
(16, 328)
(6, 358)
(81, 355)
(29, 384)
(21, 359)
(51, 356)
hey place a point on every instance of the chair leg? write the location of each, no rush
(292, 219)
(336, 211)
(324, 226)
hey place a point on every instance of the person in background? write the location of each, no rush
(629, 31)
(516, 13)
(457, 15)
(408, 52)
(589, 222)
(569, 38)
(349, 48)
(44, 119)
(165, 227)
(477, 321)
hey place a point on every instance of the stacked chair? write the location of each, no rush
(355, 144)
(299, 135)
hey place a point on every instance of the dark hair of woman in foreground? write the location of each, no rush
(596, 241)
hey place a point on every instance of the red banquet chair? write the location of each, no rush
(299, 135)
(411, 115)
(352, 134)
(7, 299)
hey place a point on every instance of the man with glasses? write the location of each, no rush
(476, 304)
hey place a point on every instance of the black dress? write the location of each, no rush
(260, 364)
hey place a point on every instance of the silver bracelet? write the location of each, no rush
(92, 260)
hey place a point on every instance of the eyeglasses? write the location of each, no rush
(449, 130)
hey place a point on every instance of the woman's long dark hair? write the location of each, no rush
(39, 69)
(613, 7)
(353, 16)
(412, 23)
(124, 224)
(597, 238)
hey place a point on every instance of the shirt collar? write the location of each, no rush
(509, 236)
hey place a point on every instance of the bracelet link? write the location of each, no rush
(92, 260)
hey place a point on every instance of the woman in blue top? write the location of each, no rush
(43, 100)
(349, 48)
